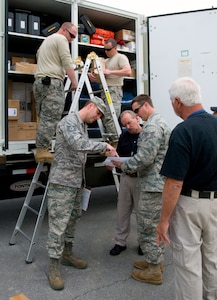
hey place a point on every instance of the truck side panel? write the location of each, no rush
(182, 44)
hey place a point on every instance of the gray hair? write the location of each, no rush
(128, 111)
(187, 90)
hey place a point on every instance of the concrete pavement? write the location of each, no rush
(106, 277)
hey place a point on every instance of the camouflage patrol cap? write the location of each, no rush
(213, 108)
(100, 104)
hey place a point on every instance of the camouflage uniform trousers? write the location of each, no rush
(50, 101)
(116, 94)
(148, 216)
(64, 211)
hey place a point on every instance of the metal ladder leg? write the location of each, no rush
(38, 225)
(26, 206)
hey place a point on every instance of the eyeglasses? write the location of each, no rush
(136, 110)
(72, 36)
(108, 49)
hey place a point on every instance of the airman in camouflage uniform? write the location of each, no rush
(67, 180)
(54, 61)
(152, 145)
(117, 66)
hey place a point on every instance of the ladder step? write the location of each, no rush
(39, 184)
(32, 209)
(24, 234)
(96, 92)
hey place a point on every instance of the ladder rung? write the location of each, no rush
(40, 184)
(96, 92)
(24, 234)
(32, 209)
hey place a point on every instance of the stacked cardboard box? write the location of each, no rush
(22, 91)
(125, 35)
(19, 131)
(23, 64)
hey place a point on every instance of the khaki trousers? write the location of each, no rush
(193, 234)
(127, 201)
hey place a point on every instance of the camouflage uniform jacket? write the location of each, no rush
(71, 148)
(151, 149)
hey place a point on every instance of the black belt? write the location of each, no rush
(131, 174)
(199, 194)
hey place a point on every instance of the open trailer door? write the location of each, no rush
(182, 44)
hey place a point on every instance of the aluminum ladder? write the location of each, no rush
(39, 214)
(93, 59)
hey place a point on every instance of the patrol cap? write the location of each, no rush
(100, 104)
(213, 108)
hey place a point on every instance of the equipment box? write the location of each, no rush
(21, 22)
(51, 29)
(88, 24)
(34, 25)
(10, 21)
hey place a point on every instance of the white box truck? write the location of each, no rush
(165, 48)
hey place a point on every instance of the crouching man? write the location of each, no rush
(66, 185)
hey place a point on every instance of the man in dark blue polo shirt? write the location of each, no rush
(189, 209)
(128, 193)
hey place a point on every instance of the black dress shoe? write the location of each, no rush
(140, 251)
(117, 249)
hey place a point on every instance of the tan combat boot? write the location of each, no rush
(43, 155)
(68, 258)
(143, 264)
(152, 274)
(54, 275)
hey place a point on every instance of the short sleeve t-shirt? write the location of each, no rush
(116, 62)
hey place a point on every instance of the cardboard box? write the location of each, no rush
(125, 35)
(21, 131)
(22, 91)
(13, 109)
(25, 68)
(19, 59)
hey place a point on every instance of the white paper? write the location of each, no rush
(108, 160)
(86, 198)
